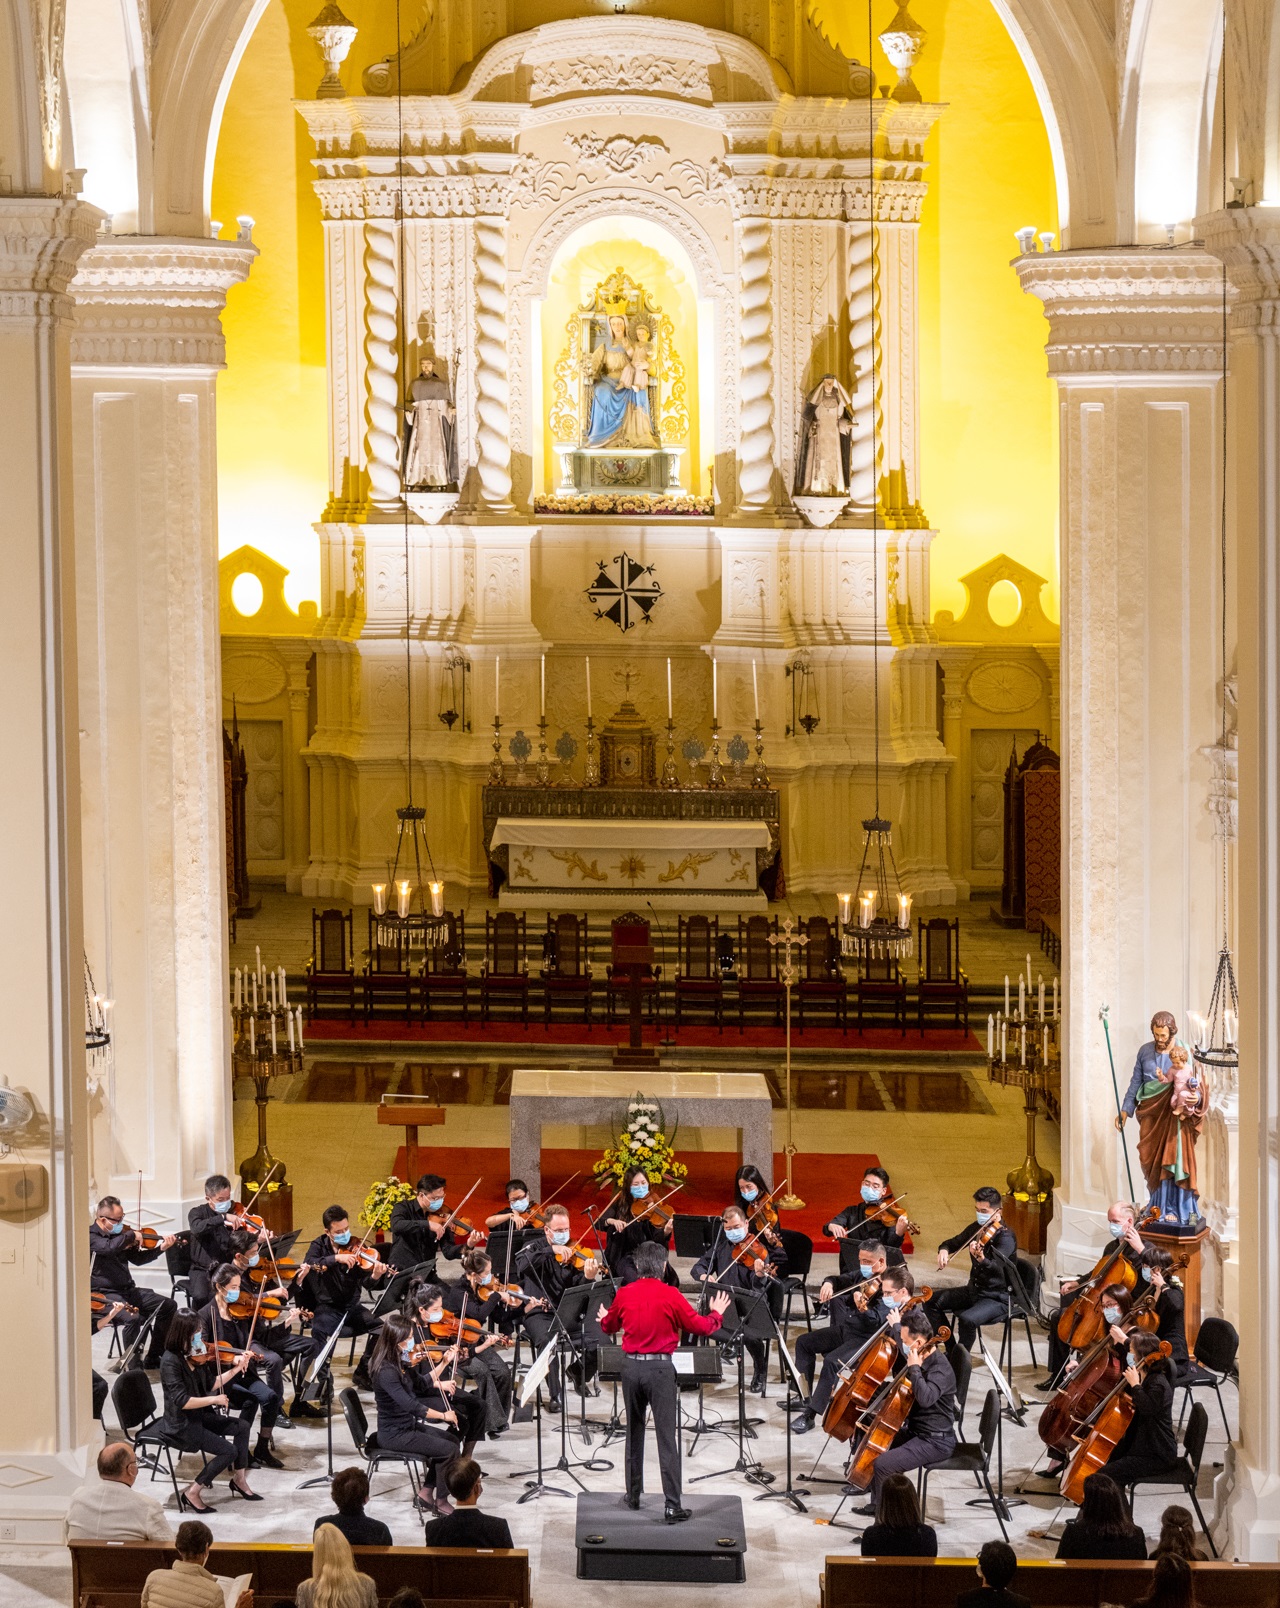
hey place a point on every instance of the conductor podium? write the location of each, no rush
(615, 1542)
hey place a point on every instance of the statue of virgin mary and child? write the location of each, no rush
(618, 371)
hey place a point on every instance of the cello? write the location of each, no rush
(861, 1380)
(1080, 1323)
(882, 1424)
(1104, 1432)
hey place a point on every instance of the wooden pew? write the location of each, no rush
(108, 1574)
(855, 1582)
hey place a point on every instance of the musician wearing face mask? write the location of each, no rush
(985, 1297)
(1115, 1305)
(335, 1283)
(483, 1365)
(623, 1232)
(212, 1223)
(114, 1250)
(195, 1412)
(1148, 1449)
(545, 1270)
(510, 1224)
(1122, 1234)
(245, 1388)
(929, 1434)
(859, 1222)
(1156, 1273)
(424, 1306)
(415, 1242)
(857, 1318)
(410, 1415)
(276, 1342)
(757, 1270)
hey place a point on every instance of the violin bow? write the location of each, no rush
(457, 1340)
(460, 1205)
(560, 1188)
(258, 1190)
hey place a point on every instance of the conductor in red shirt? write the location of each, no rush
(651, 1316)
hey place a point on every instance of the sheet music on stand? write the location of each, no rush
(537, 1371)
(1009, 1392)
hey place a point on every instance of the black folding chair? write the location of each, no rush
(1215, 1352)
(135, 1408)
(366, 1443)
(973, 1458)
(1185, 1473)
(795, 1281)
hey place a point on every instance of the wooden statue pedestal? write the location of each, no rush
(1187, 1245)
(1029, 1218)
(275, 1208)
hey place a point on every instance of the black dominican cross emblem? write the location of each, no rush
(624, 591)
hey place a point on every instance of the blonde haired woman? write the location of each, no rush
(335, 1581)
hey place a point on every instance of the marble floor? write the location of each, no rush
(785, 1547)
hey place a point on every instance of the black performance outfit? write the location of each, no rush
(1171, 1325)
(731, 1275)
(359, 1529)
(929, 1434)
(488, 1370)
(985, 1298)
(1148, 1448)
(468, 1527)
(853, 1219)
(541, 1275)
(620, 1244)
(889, 1541)
(205, 1429)
(1081, 1542)
(333, 1290)
(1058, 1352)
(113, 1255)
(402, 1399)
(651, 1316)
(854, 1329)
(210, 1248)
(415, 1242)
(249, 1393)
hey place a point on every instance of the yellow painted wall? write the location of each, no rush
(987, 410)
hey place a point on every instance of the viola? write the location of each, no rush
(1104, 1432)
(1081, 1323)
(861, 1382)
(148, 1238)
(427, 1353)
(366, 1257)
(459, 1227)
(654, 1212)
(100, 1305)
(467, 1331)
(751, 1249)
(224, 1354)
(882, 1424)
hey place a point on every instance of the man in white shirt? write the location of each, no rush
(110, 1509)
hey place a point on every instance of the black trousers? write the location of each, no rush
(437, 1444)
(540, 1326)
(250, 1397)
(101, 1391)
(820, 1398)
(813, 1344)
(909, 1454)
(1124, 1470)
(645, 1386)
(147, 1302)
(225, 1440)
(359, 1320)
(278, 1350)
(973, 1309)
(489, 1373)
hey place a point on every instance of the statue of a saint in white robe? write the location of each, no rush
(823, 470)
(430, 415)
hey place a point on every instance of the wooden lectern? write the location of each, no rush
(634, 962)
(410, 1116)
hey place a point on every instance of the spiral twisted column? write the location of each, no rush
(860, 293)
(382, 380)
(493, 390)
(756, 444)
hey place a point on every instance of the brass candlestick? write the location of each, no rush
(789, 939)
(759, 775)
(715, 775)
(591, 773)
(497, 772)
(543, 770)
(670, 776)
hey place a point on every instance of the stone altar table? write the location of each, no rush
(702, 1099)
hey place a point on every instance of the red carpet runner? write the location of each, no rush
(826, 1184)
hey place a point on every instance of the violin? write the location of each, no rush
(1106, 1428)
(888, 1212)
(100, 1305)
(985, 1234)
(452, 1222)
(224, 1354)
(763, 1208)
(881, 1425)
(244, 1218)
(865, 1289)
(270, 1308)
(536, 1216)
(366, 1256)
(427, 1353)
(861, 1382)
(654, 1212)
(148, 1238)
(467, 1331)
(1081, 1322)
(751, 1250)
(575, 1256)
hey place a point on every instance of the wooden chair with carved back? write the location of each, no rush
(444, 971)
(567, 969)
(505, 974)
(699, 985)
(880, 989)
(758, 981)
(822, 982)
(387, 979)
(331, 972)
(942, 984)
(630, 931)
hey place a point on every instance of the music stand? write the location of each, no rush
(1017, 1411)
(736, 1333)
(789, 1493)
(694, 1235)
(534, 1377)
(318, 1386)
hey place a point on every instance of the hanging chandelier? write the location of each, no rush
(97, 1035)
(408, 907)
(882, 930)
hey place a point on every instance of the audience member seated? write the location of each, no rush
(466, 1526)
(408, 1597)
(335, 1581)
(350, 1492)
(1171, 1585)
(997, 1565)
(109, 1509)
(898, 1530)
(1178, 1536)
(187, 1583)
(1102, 1528)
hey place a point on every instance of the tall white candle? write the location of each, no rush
(253, 1047)
(497, 671)
(255, 991)
(1044, 1045)
(257, 963)
(542, 702)
(284, 988)
(288, 1016)
(755, 692)
(589, 686)
(299, 1027)
(1023, 1050)
(669, 716)
(237, 992)
(1004, 1035)
(715, 690)
(1022, 997)
(1055, 999)
(1006, 993)
(1041, 997)
(991, 1035)
(1028, 973)
(273, 1035)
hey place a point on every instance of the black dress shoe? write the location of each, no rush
(553, 1405)
(673, 1513)
(360, 1379)
(759, 1384)
(632, 1502)
(867, 1512)
(803, 1424)
(1046, 1386)
(305, 1409)
(264, 1457)
(795, 1404)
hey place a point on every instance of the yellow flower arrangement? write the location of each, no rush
(382, 1197)
(640, 1140)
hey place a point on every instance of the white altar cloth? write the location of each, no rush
(591, 863)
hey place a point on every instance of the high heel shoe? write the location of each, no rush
(186, 1505)
(245, 1496)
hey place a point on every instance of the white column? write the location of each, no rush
(859, 290)
(1134, 346)
(756, 444)
(382, 363)
(1248, 241)
(493, 389)
(45, 1401)
(145, 352)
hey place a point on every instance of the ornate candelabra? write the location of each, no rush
(715, 774)
(591, 771)
(789, 939)
(543, 770)
(759, 775)
(266, 1043)
(670, 775)
(497, 772)
(1022, 1052)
